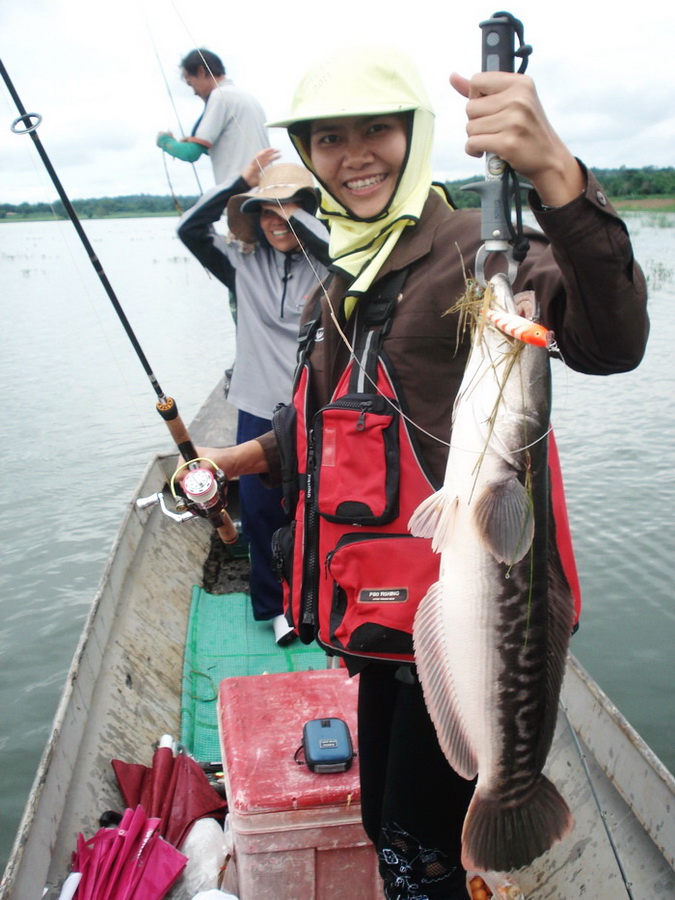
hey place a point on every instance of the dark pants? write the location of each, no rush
(261, 515)
(413, 803)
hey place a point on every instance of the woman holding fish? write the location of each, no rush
(362, 124)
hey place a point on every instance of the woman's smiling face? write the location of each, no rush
(359, 159)
(274, 223)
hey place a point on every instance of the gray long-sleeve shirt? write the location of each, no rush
(271, 289)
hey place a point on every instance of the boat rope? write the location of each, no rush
(596, 799)
(28, 123)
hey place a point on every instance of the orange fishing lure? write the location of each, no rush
(523, 329)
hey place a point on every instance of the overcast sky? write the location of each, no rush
(96, 72)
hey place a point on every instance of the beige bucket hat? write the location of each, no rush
(282, 181)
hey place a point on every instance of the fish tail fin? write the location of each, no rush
(501, 836)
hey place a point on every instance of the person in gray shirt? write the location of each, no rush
(231, 127)
(272, 259)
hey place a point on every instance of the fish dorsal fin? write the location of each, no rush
(435, 518)
(505, 521)
(432, 658)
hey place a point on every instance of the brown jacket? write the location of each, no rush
(590, 289)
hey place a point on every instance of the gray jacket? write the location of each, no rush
(271, 289)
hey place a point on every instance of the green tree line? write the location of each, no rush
(620, 184)
(133, 205)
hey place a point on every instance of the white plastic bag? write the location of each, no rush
(213, 895)
(69, 886)
(204, 847)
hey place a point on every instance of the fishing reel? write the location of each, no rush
(202, 491)
(199, 492)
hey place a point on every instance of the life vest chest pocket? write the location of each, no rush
(378, 582)
(357, 468)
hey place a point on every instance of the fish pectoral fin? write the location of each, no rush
(434, 518)
(505, 521)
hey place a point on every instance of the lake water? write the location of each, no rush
(79, 425)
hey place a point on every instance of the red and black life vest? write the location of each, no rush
(353, 474)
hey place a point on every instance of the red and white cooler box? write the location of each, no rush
(297, 834)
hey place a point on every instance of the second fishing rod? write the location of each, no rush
(203, 490)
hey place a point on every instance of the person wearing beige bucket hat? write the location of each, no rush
(271, 259)
(279, 183)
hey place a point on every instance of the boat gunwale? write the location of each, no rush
(32, 823)
(648, 791)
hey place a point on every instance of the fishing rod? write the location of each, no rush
(180, 125)
(203, 491)
(501, 186)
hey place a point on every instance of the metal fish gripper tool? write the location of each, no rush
(501, 184)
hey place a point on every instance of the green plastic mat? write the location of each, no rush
(223, 640)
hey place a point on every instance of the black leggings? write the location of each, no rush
(413, 802)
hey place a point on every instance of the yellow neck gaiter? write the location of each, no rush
(359, 248)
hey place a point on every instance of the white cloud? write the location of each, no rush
(97, 74)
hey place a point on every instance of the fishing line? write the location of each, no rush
(175, 110)
(603, 816)
(319, 281)
(176, 202)
(216, 83)
(244, 136)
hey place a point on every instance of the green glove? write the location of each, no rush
(188, 151)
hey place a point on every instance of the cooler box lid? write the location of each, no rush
(261, 718)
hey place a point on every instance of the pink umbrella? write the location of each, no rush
(130, 862)
(134, 828)
(158, 866)
(173, 788)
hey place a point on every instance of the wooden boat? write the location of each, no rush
(121, 694)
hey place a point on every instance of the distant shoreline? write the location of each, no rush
(662, 204)
(132, 215)
(646, 204)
